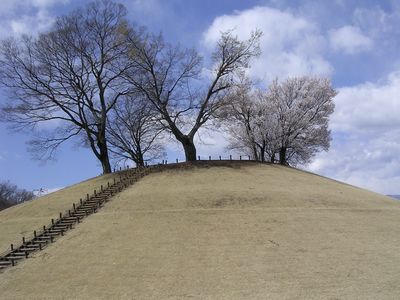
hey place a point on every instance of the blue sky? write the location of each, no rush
(355, 43)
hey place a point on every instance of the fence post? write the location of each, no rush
(220, 157)
(249, 157)
(198, 157)
(230, 157)
(240, 157)
(176, 160)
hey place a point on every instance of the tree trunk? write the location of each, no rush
(190, 149)
(262, 156)
(105, 164)
(255, 153)
(139, 160)
(103, 154)
(282, 156)
(262, 152)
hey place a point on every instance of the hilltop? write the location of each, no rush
(243, 230)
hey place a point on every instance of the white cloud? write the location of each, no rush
(290, 45)
(7, 6)
(375, 21)
(47, 3)
(26, 16)
(350, 40)
(366, 137)
(31, 24)
(369, 107)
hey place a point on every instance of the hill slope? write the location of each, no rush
(255, 231)
(19, 220)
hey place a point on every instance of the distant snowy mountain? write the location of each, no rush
(395, 196)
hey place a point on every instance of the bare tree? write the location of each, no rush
(302, 106)
(249, 123)
(70, 77)
(134, 131)
(290, 120)
(10, 195)
(169, 75)
(238, 116)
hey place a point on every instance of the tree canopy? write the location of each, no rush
(120, 90)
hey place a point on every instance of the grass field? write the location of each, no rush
(20, 220)
(249, 232)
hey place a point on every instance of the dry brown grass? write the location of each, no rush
(255, 232)
(22, 219)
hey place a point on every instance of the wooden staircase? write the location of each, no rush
(68, 220)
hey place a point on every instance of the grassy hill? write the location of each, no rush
(246, 231)
(20, 220)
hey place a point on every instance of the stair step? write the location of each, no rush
(43, 237)
(88, 208)
(83, 210)
(18, 253)
(65, 227)
(29, 249)
(40, 241)
(69, 221)
(5, 263)
(14, 257)
(49, 233)
(30, 245)
(55, 230)
(81, 214)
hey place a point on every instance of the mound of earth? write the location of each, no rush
(245, 231)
